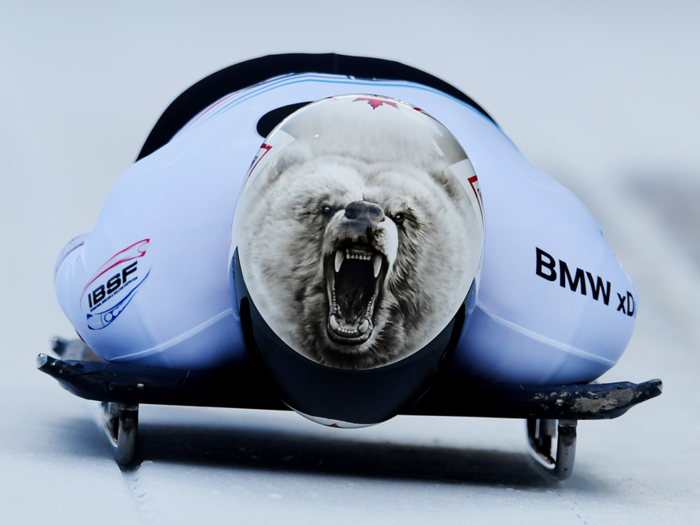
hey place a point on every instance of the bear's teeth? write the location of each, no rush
(339, 257)
(363, 327)
(377, 265)
(334, 323)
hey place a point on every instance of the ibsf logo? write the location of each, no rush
(113, 284)
(118, 280)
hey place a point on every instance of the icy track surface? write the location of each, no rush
(601, 96)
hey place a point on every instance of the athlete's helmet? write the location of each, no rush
(356, 250)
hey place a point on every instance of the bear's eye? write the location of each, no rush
(399, 218)
(326, 210)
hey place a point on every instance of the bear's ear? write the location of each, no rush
(446, 179)
(294, 154)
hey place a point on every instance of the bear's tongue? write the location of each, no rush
(353, 287)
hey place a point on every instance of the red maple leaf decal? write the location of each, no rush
(424, 113)
(376, 102)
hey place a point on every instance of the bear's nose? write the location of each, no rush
(364, 214)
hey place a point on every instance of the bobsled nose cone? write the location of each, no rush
(364, 215)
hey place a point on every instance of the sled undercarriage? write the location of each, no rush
(551, 411)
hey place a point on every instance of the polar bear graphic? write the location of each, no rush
(357, 256)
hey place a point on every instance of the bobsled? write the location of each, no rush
(352, 239)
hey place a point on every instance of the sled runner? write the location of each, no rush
(551, 411)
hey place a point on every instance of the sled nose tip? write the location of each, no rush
(41, 360)
(58, 345)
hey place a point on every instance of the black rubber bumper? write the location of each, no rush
(246, 387)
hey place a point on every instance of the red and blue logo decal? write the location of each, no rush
(118, 279)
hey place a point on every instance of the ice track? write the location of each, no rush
(603, 97)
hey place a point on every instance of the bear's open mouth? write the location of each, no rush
(354, 274)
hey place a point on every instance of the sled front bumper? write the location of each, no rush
(248, 388)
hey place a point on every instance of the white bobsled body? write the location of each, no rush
(149, 285)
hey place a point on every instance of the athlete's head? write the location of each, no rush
(358, 232)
